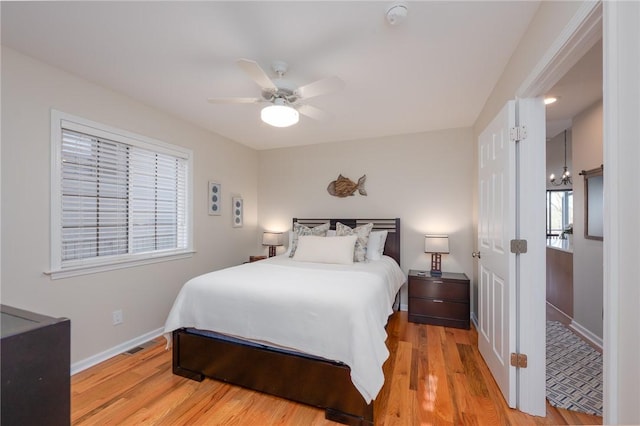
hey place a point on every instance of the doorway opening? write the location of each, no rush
(574, 275)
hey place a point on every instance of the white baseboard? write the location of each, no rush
(597, 341)
(474, 320)
(81, 365)
(404, 307)
(567, 319)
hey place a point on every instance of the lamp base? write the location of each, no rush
(436, 261)
(272, 251)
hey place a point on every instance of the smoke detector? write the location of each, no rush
(397, 13)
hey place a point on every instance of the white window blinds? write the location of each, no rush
(117, 201)
(95, 197)
(158, 194)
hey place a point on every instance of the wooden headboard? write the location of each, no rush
(392, 226)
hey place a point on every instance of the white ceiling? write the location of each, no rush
(435, 71)
(578, 89)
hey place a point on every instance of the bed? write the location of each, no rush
(334, 368)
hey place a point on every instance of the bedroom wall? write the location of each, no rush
(145, 293)
(425, 179)
(587, 253)
(545, 27)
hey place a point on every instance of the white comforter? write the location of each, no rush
(337, 312)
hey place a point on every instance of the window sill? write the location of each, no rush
(94, 269)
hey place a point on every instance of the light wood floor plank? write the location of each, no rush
(401, 401)
(434, 376)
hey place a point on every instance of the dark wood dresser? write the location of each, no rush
(439, 300)
(35, 356)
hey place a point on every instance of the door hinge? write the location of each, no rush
(517, 133)
(518, 246)
(518, 360)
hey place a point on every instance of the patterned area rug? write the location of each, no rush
(574, 371)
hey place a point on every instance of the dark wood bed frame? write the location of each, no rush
(297, 377)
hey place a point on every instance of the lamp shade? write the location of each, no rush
(436, 243)
(272, 239)
(279, 114)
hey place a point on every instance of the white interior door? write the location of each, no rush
(496, 266)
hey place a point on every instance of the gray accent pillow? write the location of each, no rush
(362, 232)
(298, 230)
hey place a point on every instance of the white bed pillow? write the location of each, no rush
(325, 250)
(375, 245)
(330, 233)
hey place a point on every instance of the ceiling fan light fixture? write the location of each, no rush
(279, 114)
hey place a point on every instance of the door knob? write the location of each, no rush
(476, 254)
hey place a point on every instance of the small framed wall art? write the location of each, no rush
(214, 198)
(237, 212)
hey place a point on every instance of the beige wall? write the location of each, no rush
(145, 293)
(545, 27)
(587, 253)
(425, 179)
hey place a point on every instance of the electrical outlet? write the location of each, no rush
(117, 317)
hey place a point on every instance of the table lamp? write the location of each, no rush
(436, 245)
(272, 239)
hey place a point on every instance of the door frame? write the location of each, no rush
(579, 35)
(621, 90)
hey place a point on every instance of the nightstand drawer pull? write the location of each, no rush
(438, 301)
(437, 282)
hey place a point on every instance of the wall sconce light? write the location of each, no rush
(272, 239)
(436, 245)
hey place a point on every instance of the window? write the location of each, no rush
(118, 199)
(559, 211)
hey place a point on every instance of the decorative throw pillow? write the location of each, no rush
(298, 230)
(337, 250)
(375, 246)
(290, 240)
(362, 232)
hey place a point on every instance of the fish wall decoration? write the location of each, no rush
(344, 187)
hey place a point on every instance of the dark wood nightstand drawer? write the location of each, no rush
(445, 322)
(440, 300)
(438, 289)
(439, 308)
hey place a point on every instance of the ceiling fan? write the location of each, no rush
(285, 99)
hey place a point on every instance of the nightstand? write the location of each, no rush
(256, 258)
(439, 300)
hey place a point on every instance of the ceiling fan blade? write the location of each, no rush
(313, 112)
(320, 87)
(258, 75)
(234, 100)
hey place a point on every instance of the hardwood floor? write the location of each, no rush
(434, 376)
